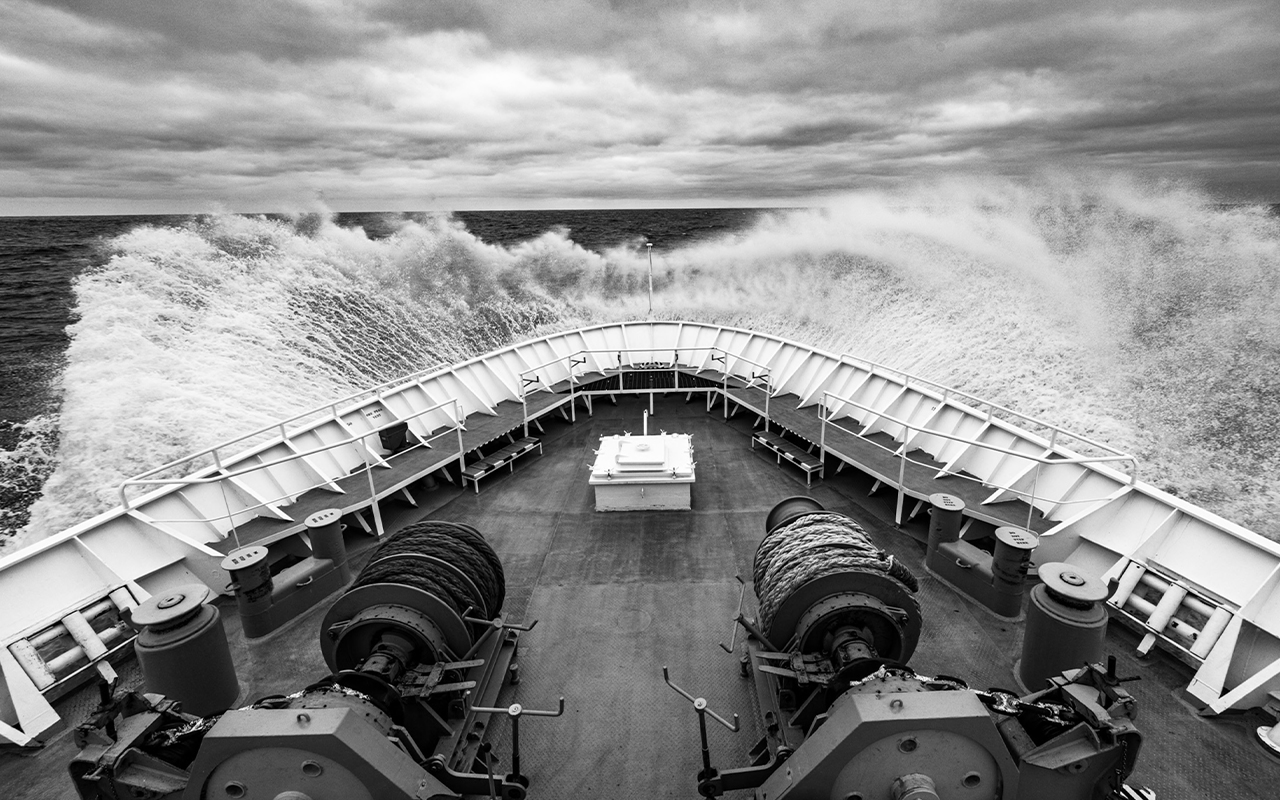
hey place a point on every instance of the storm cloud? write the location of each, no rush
(116, 106)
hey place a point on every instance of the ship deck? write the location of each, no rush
(617, 596)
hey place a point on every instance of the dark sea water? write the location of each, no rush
(39, 257)
(1144, 316)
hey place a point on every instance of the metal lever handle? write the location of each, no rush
(733, 640)
(499, 622)
(488, 768)
(700, 704)
(515, 711)
(495, 625)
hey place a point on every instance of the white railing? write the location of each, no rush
(330, 409)
(355, 441)
(948, 392)
(1136, 523)
(827, 410)
(578, 358)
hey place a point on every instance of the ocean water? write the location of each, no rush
(1144, 315)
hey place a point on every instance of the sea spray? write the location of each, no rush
(1140, 315)
(190, 335)
(1144, 316)
(27, 459)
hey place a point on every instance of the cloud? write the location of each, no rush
(402, 104)
(281, 29)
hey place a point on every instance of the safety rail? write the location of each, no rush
(279, 425)
(577, 358)
(948, 392)
(826, 414)
(355, 440)
(130, 547)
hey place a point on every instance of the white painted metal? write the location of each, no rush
(884, 407)
(1106, 519)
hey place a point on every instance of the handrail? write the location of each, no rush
(355, 438)
(766, 375)
(949, 390)
(1253, 600)
(826, 415)
(331, 406)
(675, 350)
(974, 479)
(1077, 459)
(271, 501)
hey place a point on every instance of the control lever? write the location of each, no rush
(425, 681)
(1114, 679)
(488, 768)
(747, 624)
(737, 618)
(106, 692)
(515, 711)
(700, 706)
(495, 624)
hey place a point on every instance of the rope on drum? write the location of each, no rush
(450, 560)
(813, 546)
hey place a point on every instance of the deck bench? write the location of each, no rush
(505, 457)
(793, 453)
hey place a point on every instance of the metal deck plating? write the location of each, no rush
(619, 596)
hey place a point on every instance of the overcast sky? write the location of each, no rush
(257, 105)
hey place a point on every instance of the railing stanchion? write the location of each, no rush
(822, 434)
(902, 477)
(373, 494)
(768, 391)
(457, 422)
(724, 388)
(1031, 504)
(235, 534)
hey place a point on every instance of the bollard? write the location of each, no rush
(945, 519)
(250, 579)
(1066, 625)
(183, 650)
(325, 529)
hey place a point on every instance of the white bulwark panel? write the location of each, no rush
(643, 473)
(1198, 586)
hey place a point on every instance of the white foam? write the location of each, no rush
(1142, 315)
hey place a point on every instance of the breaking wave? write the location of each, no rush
(1144, 315)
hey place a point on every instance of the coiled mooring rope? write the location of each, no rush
(481, 586)
(813, 546)
(455, 543)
